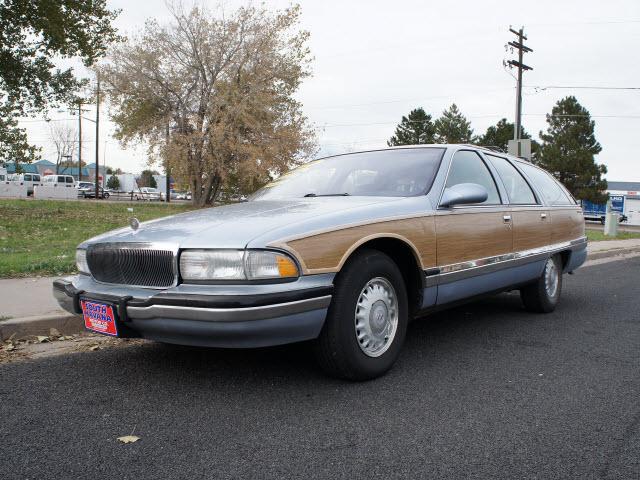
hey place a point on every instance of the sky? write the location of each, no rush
(376, 60)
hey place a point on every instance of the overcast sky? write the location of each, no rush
(376, 60)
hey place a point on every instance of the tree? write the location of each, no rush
(113, 183)
(64, 139)
(568, 149)
(147, 179)
(498, 135)
(414, 129)
(453, 127)
(213, 96)
(32, 35)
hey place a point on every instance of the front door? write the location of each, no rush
(472, 239)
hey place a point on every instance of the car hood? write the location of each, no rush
(234, 226)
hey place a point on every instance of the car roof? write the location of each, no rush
(486, 149)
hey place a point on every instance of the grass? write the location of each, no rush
(596, 236)
(39, 237)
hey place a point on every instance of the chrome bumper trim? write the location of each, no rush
(228, 314)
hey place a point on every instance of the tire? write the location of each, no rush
(338, 350)
(542, 296)
(105, 196)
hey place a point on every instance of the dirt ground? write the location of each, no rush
(33, 348)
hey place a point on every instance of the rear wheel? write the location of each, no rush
(367, 320)
(543, 295)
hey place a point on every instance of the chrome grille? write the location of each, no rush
(132, 264)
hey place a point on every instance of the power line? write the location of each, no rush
(578, 87)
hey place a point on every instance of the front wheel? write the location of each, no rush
(367, 320)
(542, 296)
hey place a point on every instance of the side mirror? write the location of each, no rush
(463, 193)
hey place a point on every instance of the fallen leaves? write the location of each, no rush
(128, 439)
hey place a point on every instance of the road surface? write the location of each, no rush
(483, 391)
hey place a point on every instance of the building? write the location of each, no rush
(23, 168)
(630, 196)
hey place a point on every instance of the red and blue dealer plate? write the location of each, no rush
(99, 317)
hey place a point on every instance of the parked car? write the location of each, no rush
(28, 179)
(147, 193)
(90, 192)
(59, 180)
(83, 187)
(343, 251)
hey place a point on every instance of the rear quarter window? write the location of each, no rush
(550, 189)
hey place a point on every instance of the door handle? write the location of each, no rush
(506, 218)
(543, 216)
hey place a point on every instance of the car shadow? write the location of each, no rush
(273, 364)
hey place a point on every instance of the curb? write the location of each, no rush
(68, 324)
(65, 323)
(614, 252)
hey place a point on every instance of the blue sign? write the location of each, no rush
(617, 203)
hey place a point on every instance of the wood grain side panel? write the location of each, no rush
(566, 224)
(530, 230)
(470, 236)
(326, 252)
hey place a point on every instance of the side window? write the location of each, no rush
(468, 167)
(36, 178)
(518, 189)
(548, 186)
(70, 180)
(27, 177)
(60, 180)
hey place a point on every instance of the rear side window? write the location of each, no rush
(468, 167)
(518, 189)
(27, 178)
(70, 180)
(548, 186)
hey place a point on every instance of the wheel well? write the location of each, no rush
(403, 255)
(564, 256)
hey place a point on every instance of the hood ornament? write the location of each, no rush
(134, 223)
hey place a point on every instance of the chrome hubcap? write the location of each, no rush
(551, 278)
(376, 317)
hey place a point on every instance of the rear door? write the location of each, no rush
(531, 220)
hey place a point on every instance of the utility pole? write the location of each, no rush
(79, 140)
(97, 135)
(167, 170)
(519, 64)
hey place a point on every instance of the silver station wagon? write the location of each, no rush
(343, 251)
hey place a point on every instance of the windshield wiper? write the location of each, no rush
(328, 195)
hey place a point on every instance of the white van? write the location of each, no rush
(3, 174)
(28, 179)
(59, 180)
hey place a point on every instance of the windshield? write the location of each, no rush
(382, 173)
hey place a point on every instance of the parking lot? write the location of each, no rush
(483, 391)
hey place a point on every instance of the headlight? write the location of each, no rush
(81, 261)
(202, 265)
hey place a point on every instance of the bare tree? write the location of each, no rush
(213, 96)
(64, 137)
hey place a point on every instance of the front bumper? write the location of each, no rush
(238, 317)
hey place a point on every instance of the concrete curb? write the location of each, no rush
(65, 323)
(68, 324)
(614, 252)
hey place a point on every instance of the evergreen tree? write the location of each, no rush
(453, 127)
(414, 129)
(568, 148)
(146, 179)
(113, 183)
(498, 135)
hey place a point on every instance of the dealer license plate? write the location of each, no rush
(99, 317)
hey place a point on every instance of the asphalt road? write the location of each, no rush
(483, 391)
